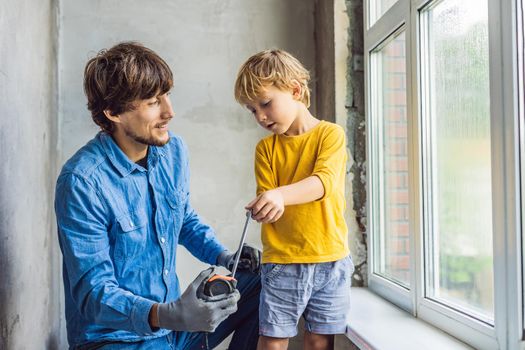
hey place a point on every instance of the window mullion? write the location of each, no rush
(414, 153)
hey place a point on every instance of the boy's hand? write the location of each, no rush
(268, 207)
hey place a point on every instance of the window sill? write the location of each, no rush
(377, 324)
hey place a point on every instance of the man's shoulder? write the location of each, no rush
(175, 142)
(175, 148)
(86, 160)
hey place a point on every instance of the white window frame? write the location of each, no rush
(507, 330)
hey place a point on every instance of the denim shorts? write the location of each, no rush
(319, 292)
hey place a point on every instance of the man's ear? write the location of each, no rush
(114, 118)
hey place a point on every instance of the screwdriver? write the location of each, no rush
(220, 284)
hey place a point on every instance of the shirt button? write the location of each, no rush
(166, 272)
(131, 224)
(162, 240)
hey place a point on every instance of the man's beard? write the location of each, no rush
(150, 141)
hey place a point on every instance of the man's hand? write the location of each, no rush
(195, 312)
(250, 259)
(268, 207)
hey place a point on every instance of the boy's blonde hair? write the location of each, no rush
(270, 67)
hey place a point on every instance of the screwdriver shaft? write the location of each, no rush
(241, 244)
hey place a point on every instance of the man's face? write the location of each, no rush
(148, 122)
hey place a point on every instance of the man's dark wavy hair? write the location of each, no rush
(127, 72)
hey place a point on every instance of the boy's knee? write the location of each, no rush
(270, 343)
(313, 341)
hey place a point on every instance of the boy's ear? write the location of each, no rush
(115, 118)
(297, 90)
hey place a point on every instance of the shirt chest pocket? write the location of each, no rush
(176, 210)
(130, 238)
(177, 200)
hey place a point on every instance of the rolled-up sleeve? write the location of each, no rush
(264, 176)
(331, 159)
(83, 236)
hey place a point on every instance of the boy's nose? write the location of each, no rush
(261, 117)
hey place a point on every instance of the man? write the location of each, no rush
(122, 206)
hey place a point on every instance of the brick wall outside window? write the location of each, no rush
(395, 158)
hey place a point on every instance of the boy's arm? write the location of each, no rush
(330, 164)
(272, 203)
(304, 191)
(264, 175)
(269, 206)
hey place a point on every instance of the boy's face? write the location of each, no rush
(275, 109)
(148, 122)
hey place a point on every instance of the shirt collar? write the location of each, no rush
(121, 161)
(118, 158)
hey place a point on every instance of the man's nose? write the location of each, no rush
(167, 110)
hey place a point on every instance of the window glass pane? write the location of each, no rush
(378, 7)
(393, 245)
(458, 162)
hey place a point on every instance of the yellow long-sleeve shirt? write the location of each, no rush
(312, 232)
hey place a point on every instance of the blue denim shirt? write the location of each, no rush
(118, 227)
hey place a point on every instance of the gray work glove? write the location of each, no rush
(195, 312)
(250, 259)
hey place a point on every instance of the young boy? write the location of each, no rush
(300, 173)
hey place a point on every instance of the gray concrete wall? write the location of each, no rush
(355, 126)
(325, 62)
(30, 284)
(204, 42)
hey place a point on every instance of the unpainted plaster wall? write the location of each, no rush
(30, 283)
